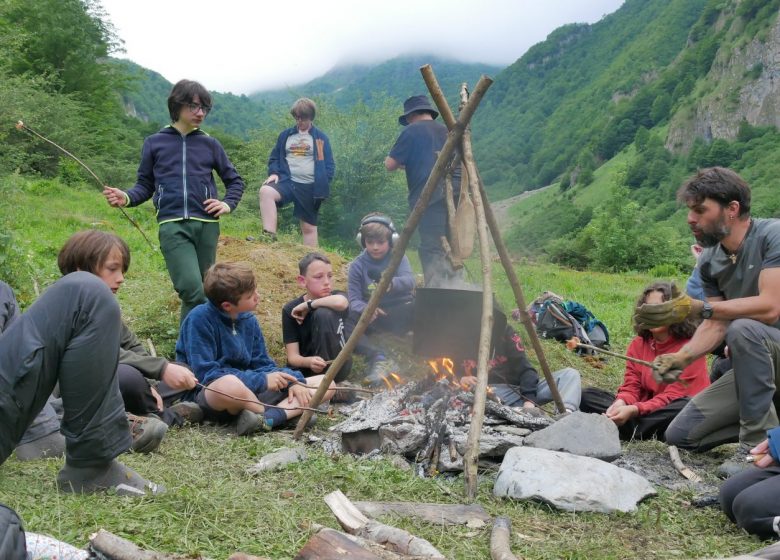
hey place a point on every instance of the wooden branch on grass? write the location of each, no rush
(674, 455)
(440, 514)
(116, 548)
(378, 550)
(499, 540)
(399, 248)
(355, 523)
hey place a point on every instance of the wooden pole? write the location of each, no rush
(471, 456)
(448, 118)
(441, 167)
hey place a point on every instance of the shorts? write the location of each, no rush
(305, 206)
(223, 416)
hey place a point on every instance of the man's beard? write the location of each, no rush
(714, 235)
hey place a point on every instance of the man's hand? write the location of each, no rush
(216, 207)
(667, 368)
(468, 382)
(178, 377)
(676, 310)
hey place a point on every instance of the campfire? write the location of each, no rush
(427, 421)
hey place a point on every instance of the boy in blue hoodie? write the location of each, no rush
(176, 173)
(394, 314)
(223, 344)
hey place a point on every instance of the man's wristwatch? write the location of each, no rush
(706, 311)
(308, 304)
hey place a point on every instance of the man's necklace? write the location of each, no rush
(733, 256)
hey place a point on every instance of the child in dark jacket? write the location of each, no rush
(394, 314)
(222, 342)
(176, 173)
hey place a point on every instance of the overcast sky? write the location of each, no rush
(243, 46)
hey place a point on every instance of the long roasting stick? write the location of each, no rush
(573, 343)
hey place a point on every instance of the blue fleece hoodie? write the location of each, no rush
(324, 166)
(215, 345)
(176, 172)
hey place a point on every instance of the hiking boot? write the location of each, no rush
(147, 432)
(190, 412)
(379, 371)
(111, 476)
(737, 463)
(251, 422)
(51, 445)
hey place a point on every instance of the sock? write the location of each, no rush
(86, 480)
(275, 417)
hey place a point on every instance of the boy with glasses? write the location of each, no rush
(176, 173)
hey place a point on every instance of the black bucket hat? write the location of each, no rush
(416, 103)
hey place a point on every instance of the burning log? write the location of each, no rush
(428, 458)
(355, 523)
(521, 419)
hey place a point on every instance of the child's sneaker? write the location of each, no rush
(147, 431)
(188, 411)
(251, 422)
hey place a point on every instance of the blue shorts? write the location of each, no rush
(305, 206)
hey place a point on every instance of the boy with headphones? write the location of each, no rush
(376, 235)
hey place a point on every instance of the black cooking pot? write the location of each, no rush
(447, 323)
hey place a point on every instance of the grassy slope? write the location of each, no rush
(213, 508)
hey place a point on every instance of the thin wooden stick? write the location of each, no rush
(674, 455)
(256, 401)
(441, 166)
(471, 456)
(21, 126)
(503, 253)
(342, 387)
(574, 341)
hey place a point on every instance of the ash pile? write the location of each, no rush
(427, 422)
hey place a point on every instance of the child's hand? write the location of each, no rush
(216, 207)
(302, 394)
(115, 197)
(615, 406)
(623, 414)
(178, 377)
(272, 179)
(300, 311)
(317, 364)
(279, 380)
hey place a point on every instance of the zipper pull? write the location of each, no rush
(234, 328)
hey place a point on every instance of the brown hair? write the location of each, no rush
(184, 92)
(719, 184)
(683, 329)
(304, 107)
(303, 264)
(228, 282)
(88, 250)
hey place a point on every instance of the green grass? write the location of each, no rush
(214, 508)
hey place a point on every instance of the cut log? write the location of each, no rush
(397, 540)
(113, 547)
(510, 415)
(330, 544)
(499, 540)
(378, 550)
(441, 514)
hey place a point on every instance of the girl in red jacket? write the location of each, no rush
(643, 408)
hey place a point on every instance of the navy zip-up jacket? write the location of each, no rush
(176, 172)
(324, 166)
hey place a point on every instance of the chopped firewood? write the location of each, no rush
(330, 543)
(242, 556)
(499, 540)
(442, 514)
(681, 468)
(378, 550)
(355, 523)
(113, 547)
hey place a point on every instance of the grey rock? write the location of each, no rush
(569, 482)
(589, 435)
(278, 459)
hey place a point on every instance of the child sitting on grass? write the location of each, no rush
(643, 408)
(222, 342)
(313, 324)
(394, 314)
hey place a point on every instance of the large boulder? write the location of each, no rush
(569, 482)
(589, 435)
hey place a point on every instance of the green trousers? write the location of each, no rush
(189, 248)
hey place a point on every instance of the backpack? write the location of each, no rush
(597, 331)
(561, 320)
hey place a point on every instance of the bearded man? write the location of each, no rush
(740, 272)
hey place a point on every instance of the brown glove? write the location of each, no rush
(676, 310)
(667, 368)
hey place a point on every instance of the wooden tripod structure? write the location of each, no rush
(458, 141)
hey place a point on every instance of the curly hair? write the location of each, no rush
(683, 329)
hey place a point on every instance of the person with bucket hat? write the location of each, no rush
(415, 151)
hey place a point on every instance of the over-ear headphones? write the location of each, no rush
(377, 219)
